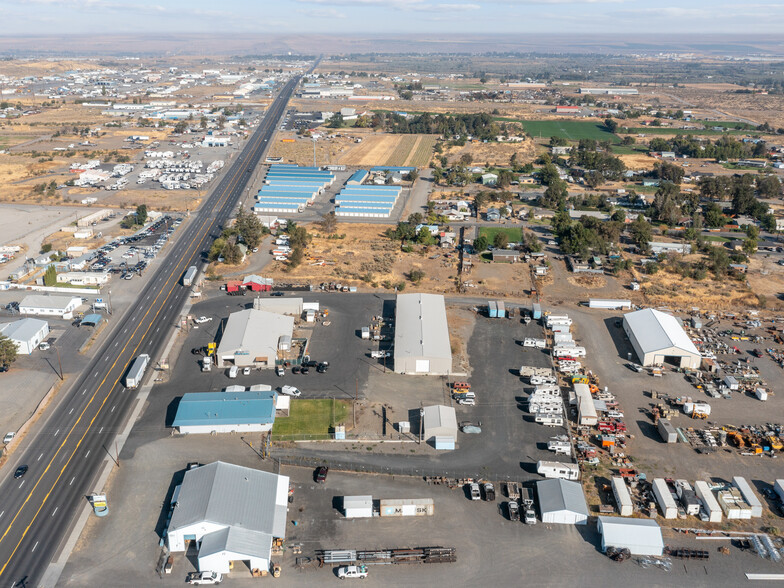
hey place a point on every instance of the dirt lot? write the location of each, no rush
(493, 153)
(385, 149)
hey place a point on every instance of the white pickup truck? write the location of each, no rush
(204, 578)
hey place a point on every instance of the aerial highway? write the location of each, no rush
(66, 453)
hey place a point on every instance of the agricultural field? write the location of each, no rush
(572, 130)
(397, 150)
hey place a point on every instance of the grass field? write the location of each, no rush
(573, 130)
(514, 235)
(310, 419)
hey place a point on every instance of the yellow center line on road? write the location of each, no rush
(221, 200)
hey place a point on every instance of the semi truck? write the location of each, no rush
(189, 276)
(136, 372)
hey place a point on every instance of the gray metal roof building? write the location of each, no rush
(422, 335)
(562, 502)
(657, 338)
(640, 536)
(27, 333)
(231, 512)
(251, 338)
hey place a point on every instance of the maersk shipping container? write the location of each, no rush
(748, 495)
(664, 499)
(406, 507)
(623, 499)
(667, 431)
(709, 502)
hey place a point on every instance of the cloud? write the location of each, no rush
(321, 12)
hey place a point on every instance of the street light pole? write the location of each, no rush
(59, 363)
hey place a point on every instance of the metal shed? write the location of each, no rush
(640, 536)
(562, 502)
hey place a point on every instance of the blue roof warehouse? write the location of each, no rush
(226, 412)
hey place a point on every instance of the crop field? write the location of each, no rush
(398, 150)
(573, 130)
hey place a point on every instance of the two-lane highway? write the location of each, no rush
(65, 457)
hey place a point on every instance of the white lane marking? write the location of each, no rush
(1, 514)
(88, 453)
(57, 432)
(55, 510)
(72, 480)
(34, 546)
(95, 374)
(125, 330)
(70, 411)
(113, 409)
(106, 358)
(84, 392)
(39, 457)
(22, 484)
(101, 431)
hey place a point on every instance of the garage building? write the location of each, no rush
(440, 425)
(231, 513)
(251, 338)
(639, 536)
(657, 339)
(226, 412)
(27, 333)
(422, 335)
(562, 502)
(61, 306)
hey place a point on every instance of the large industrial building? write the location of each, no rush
(658, 338)
(226, 412)
(252, 337)
(639, 536)
(26, 333)
(231, 513)
(422, 335)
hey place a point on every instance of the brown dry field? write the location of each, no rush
(637, 161)
(23, 67)
(435, 106)
(386, 149)
(493, 153)
(301, 150)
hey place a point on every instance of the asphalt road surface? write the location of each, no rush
(64, 457)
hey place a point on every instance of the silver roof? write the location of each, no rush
(24, 329)
(255, 331)
(440, 417)
(235, 496)
(421, 328)
(40, 301)
(655, 330)
(556, 495)
(237, 540)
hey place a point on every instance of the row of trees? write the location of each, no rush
(247, 229)
(481, 126)
(723, 148)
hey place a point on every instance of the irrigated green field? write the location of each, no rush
(572, 130)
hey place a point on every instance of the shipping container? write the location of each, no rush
(406, 507)
(358, 507)
(731, 382)
(536, 312)
(664, 499)
(609, 304)
(501, 309)
(136, 372)
(748, 495)
(190, 276)
(623, 500)
(492, 309)
(667, 431)
(709, 502)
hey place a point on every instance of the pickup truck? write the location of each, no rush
(204, 578)
(514, 510)
(489, 491)
(473, 489)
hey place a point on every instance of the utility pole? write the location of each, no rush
(117, 451)
(421, 421)
(59, 363)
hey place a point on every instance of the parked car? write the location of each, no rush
(277, 293)
(8, 438)
(290, 391)
(296, 369)
(473, 489)
(202, 319)
(489, 491)
(233, 371)
(304, 370)
(280, 371)
(322, 367)
(246, 371)
(44, 346)
(20, 471)
(204, 578)
(353, 572)
(321, 474)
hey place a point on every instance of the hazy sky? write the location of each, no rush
(627, 17)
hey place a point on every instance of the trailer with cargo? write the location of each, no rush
(664, 499)
(687, 497)
(748, 495)
(136, 372)
(623, 500)
(189, 276)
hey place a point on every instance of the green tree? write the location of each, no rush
(532, 242)
(425, 237)
(628, 140)
(181, 127)
(750, 245)
(249, 227)
(416, 276)
(295, 258)
(50, 276)
(412, 176)
(8, 351)
(752, 232)
(769, 186)
(141, 214)
(480, 244)
(611, 125)
(216, 249)
(501, 240)
(480, 199)
(336, 121)
(641, 233)
(714, 216)
(46, 248)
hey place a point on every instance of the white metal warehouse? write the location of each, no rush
(562, 502)
(657, 339)
(251, 338)
(422, 335)
(37, 304)
(640, 536)
(440, 424)
(231, 513)
(26, 333)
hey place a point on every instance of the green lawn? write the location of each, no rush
(310, 419)
(629, 149)
(573, 130)
(7, 141)
(515, 235)
(640, 188)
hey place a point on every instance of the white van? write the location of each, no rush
(233, 371)
(290, 391)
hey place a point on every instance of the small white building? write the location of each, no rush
(440, 425)
(83, 278)
(62, 306)
(231, 514)
(640, 536)
(358, 507)
(27, 333)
